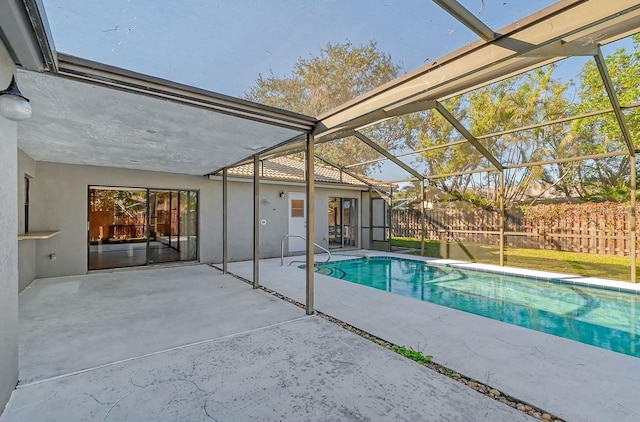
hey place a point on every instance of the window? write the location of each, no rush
(297, 208)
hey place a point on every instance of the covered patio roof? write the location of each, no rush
(92, 114)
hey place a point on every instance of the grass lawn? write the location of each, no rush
(590, 265)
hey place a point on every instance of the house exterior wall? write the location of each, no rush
(274, 210)
(58, 201)
(9, 242)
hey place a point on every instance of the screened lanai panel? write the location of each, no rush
(349, 152)
(127, 35)
(426, 129)
(371, 155)
(558, 91)
(453, 163)
(498, 14)
(595, 136)
(416, 133)
(462, 220)
(623, 62)
(580, 224)
(632, 116)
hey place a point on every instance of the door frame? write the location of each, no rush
(345, 224)
(148, 191)
(295, 244)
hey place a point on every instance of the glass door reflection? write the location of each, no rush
(117, 228)
(350, 222)
(164, 233)
(343, 222)
(130, 227)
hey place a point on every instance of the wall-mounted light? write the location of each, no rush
(14, 105)
(281, 194)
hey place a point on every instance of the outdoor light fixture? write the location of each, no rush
(281, 194)
(14, 105)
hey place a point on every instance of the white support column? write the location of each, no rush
(225, 231)
(256, 221)
(370, 217)
(310, 269)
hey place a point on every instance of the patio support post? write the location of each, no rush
(370, 217)
(389, 216)
(225, 231)
(632, 221)
(310, 176)
(256, 221)
(423, 210)
(502, 217)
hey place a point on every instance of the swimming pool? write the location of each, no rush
(604, 318)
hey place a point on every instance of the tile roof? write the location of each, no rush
(289, 168)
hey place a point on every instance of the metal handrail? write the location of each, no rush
(303, 238)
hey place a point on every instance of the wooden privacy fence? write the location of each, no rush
(600, 228)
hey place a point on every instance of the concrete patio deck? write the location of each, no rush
(189, 343)
(572, 380)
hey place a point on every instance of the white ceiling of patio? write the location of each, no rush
(79, 122)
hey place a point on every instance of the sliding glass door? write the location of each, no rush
(173, 226)
(132, 227)
(343, 222)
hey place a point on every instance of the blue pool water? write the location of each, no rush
(603, 318)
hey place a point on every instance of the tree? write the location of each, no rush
(341, 72)
(516, 102)
(607, 178)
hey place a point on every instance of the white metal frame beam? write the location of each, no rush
(467, 18)
(468, 136)
(387, 154)
(102, 74)
(615, 103)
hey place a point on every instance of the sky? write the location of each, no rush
(223, 46)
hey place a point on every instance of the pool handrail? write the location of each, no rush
(303, 238)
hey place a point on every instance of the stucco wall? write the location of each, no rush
(59, 202)
(274, 210)
(9, 242)
(26, 248)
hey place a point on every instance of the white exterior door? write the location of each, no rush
(297, 221)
